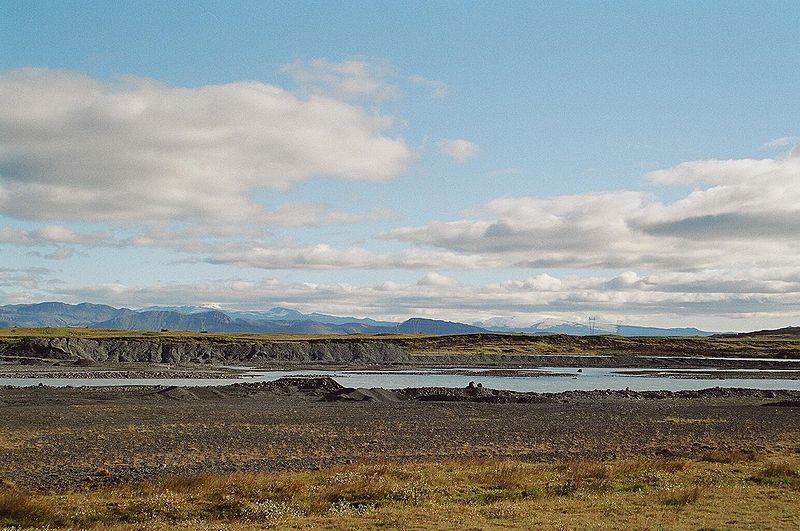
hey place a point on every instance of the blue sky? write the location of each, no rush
(471, 160)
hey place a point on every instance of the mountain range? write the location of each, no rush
(284, 320)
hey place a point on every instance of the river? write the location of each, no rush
(541, 379)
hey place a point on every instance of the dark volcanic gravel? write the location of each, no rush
(55, 438)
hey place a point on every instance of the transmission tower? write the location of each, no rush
(592, 325)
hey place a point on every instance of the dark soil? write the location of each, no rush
(57, 438)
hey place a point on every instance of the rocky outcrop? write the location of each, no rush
(172, 351)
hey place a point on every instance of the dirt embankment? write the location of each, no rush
(115, 350)
(475, 350)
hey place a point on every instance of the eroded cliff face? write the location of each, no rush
(170, 351)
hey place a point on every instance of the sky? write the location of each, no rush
(511, 162)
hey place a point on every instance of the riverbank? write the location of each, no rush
(155, 371)
(59, 438)
(76, 346)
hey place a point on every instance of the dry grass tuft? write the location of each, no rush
(20, 508)
(504, 475)
(778, 470)
(680, 497)
(634, 467)
(184, 483)
(728, 456)
(585, 471)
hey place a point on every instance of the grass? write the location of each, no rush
(681, 496)
(784, 474)
(634, 494)
(727, 456)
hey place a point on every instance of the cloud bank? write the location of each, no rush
(665, 298)
(135, 150)
(742, 214)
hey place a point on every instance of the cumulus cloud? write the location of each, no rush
(458, 149)
(586, 230)
(743, 213)
(743, 199)
(135, 149)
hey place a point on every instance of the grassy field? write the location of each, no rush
(717, 490)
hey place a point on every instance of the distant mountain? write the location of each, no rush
(789, 331)
(333, 319)
(640, 331)
(57, 314)
(581, 329)
(216, 321)
(288, 321)
(436, 327)
(566, 327)
(315, 327)
(547, 327)
(273, 314)
(179, 309)
(287, 314)
(158, 320)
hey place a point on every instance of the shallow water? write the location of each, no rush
(554, 380)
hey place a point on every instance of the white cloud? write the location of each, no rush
(755, 200)
(437, 280)
(62, 253)
(352, 79)
(323, 256)
(587, 230)
(743, 213)
(74, 147)
(781, 142)
(438, 88)
(458, 149)
(630, 296)
(54, 234)
(357, 78)
(23, 285)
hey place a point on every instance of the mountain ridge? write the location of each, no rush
(285, 321)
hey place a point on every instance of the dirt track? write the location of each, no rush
(55, 438)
